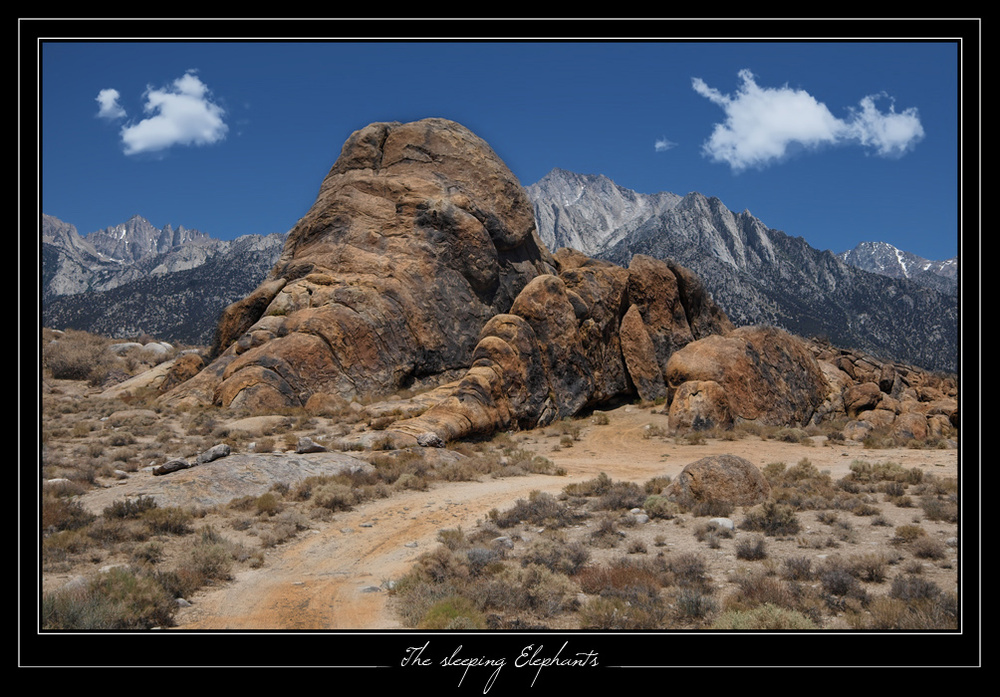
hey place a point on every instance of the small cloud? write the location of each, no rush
(179, 114)
(891, 134)
(764, 124)
(662, 145)
(110, 108)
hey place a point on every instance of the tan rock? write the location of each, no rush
(768, 376)
(640, 357)
(726, 478)
(418, 236)
(700, 405)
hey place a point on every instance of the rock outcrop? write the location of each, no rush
(720, 478)
(758, 374)
(572, 341)
(419, 266)
(418, 237)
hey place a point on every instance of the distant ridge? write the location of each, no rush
(134, 278)
(758, 275)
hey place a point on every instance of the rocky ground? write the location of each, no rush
(297, 561)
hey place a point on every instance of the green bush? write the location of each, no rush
(772, 518)
(129, 508)
(118, 599)
(661, 507)
(763, 617)
(455, 612)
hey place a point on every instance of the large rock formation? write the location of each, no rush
(758, 374)
(419, 266)
(418, 237)
(571, 341)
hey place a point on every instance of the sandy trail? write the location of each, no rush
(331, 578)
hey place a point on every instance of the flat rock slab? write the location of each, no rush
(223, 480)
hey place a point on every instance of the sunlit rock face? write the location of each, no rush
(419, 235)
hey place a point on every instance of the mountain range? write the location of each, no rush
(906, 310)
(134, 278)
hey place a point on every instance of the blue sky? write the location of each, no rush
(836, 142)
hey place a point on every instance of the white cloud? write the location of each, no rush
(890, 134)
(180, 114)
(764, 124)
(662, 145)
(110, 108)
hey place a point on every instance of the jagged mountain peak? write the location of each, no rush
(589, 212)
(886, 259)
(760, 275)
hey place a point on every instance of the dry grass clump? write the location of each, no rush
(772, 519)
(539, 508)
(464, 584)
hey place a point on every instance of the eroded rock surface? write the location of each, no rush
(419, 236)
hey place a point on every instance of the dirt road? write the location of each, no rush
(333, 577)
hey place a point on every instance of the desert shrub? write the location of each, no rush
(905, 534)
(792, 435)
(170, 520)
(688, 569)
(865, 509)
(454, 612)
(606, 534)
(558, 556)
(692, 604)
(751, 548)
(866, 472)
(636, 547)
(938, 612)
(414, 594)
(758, 587)
(265, 445)
(892, 489)
(771, 518)
(712, 508)
(108, 531)
(774, 472)
(622, 579)
(212, 556)
(621, 495)
(837, 578)
(599, 418)
(660, 507)
(657, 485)
(797, 569)
(928, 548)
(613, 613)
(597, 486)
(480, 559)
(939, 509)
(77, 356)
(334, 496)
(148, 552)
(539, 508)
(763, 617)
(60, 513)
(913, 587)
(129, 508)
(452, 538)
(267, 504)
(872, 568)
(712, 534)
(117, 599)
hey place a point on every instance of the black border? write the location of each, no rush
(372, 659)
